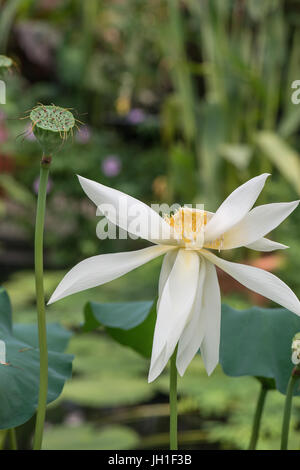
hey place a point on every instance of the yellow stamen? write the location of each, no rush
(189, 225)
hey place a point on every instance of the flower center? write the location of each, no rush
(189, 228)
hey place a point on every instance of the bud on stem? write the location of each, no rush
(51, 126)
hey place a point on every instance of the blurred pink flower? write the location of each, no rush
(36, 185)
(136, 116)
(83, 135)
(38, 40)
(111, 166)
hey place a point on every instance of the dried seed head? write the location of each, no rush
(51, 125)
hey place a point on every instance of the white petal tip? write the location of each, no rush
(154, 374)
(181, 368)
(209, 370)
(265, 176)
(151, 379)
(293, 204)
(82, 179)
(51, 300)
(55, 297)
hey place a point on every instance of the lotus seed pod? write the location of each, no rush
(51, 125)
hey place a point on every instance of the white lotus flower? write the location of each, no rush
(189, 305)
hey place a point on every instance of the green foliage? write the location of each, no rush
(249, 345)
(8, 13)
(20, 375)
(106, 374)
(86, 437)
(284, 157)
(226, 405)
(181, 173)
(131, 324)
(258, 342)
(211, 85)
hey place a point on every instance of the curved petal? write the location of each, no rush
(264, 244)
(193, 333)
(211, 310)
(259, 281)
(128, 213)
(100, 269)
(234, 208)
(174, 308)
(259, 222)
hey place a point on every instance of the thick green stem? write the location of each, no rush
(173, 403)
(40, 299)
(257, 417)
(13, 439)
(287, 408)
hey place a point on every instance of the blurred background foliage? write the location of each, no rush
(176, 101)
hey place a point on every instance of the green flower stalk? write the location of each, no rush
(13, 439)
(173, 403)
(266, 384)
(295, 376)
(52, 126)
(257, 417)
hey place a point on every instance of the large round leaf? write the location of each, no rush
(19, 377)
(129, 323)
(257, 342)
